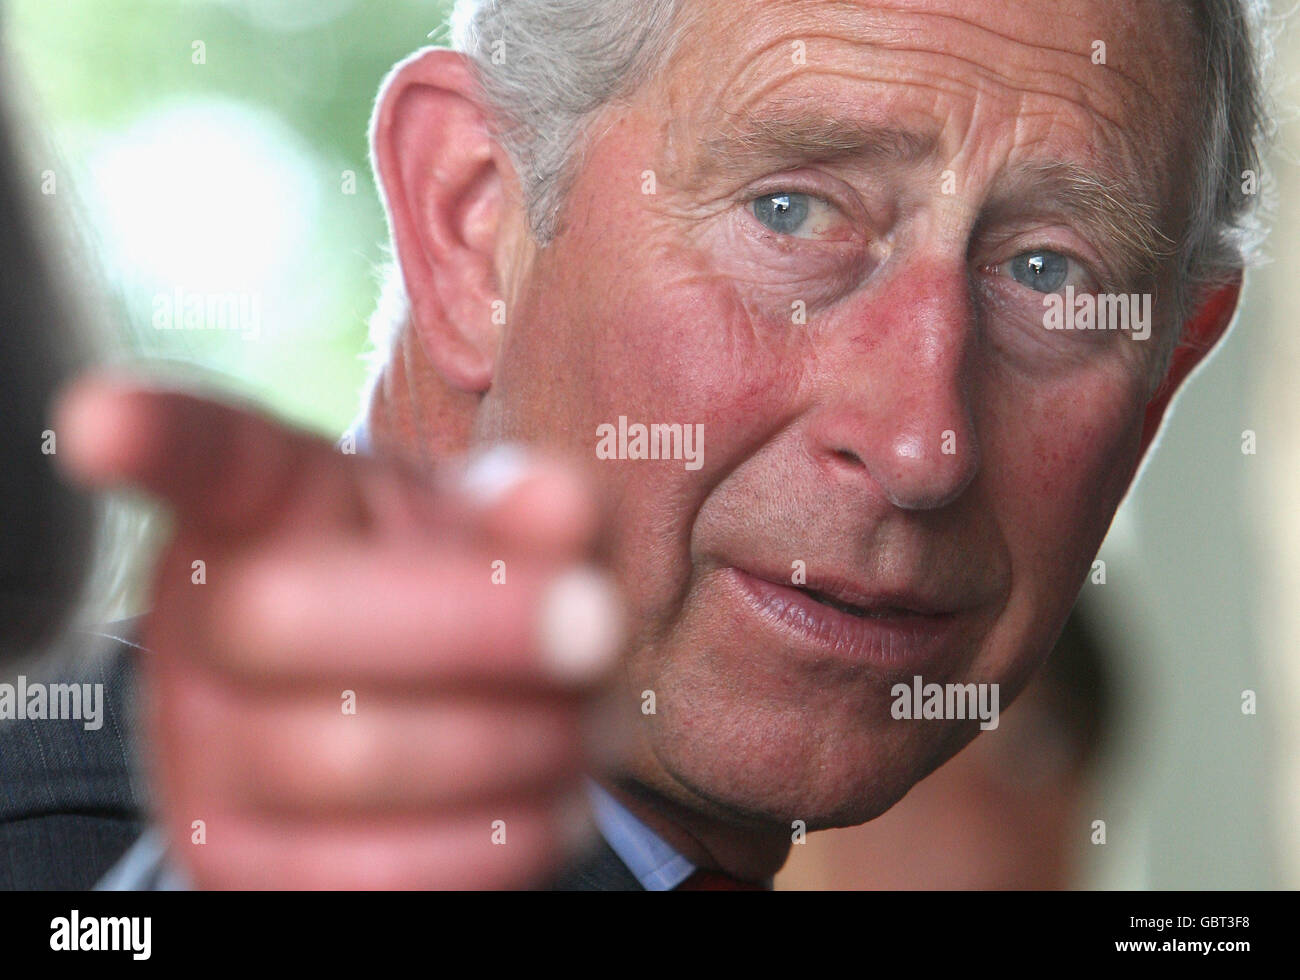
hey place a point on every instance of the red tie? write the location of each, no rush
(716, 881)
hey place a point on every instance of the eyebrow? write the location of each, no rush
(1113, 213)
(786, 134)
(1110, 209)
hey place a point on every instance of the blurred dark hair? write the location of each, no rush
(1078, 686)
(46, 529)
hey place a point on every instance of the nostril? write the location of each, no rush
(848, 456)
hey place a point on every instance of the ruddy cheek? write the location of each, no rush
(701, 353)
(1062, 491)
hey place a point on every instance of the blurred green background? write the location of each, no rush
(218, 148)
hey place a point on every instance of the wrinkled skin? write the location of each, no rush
(824, 439)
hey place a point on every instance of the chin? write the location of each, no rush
(752, 762)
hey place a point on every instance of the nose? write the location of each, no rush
(897, 412)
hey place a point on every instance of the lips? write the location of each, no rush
(848, 596)
(863, 603)
(862, 612)
(895, 628)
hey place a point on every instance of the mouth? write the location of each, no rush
(894, 629)
(853, 609)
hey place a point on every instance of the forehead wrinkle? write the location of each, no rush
(752, 135)
(1074, 90)
(1140, 83)
(894, 29)
(891, 27)
(680, 145)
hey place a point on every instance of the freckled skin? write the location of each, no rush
(822, 440)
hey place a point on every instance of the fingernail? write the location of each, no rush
(84, 429)
(491, 473)
(581, 626)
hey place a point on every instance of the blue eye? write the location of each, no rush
(784, 213)
(1042, 271)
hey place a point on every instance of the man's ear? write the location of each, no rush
(446, 185)
(1205, 329)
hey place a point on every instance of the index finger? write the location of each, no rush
(227, 471)
(223, 469)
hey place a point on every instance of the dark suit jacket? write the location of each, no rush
(69, 803)
(599, 870)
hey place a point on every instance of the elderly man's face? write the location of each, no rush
(858, 325)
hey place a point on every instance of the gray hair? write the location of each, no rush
(547, 69)
(1224, 229)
